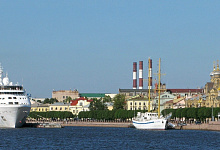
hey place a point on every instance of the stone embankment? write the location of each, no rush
(212, 126)
(88, 123)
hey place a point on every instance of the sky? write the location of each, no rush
(91, 45)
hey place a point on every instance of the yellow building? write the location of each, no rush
(196, 101)
(40, 107)
(59, 107)
(78, 105)
(138, 103)
(212, 89)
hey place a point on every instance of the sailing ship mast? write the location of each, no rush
(149, 85)
(159, 74)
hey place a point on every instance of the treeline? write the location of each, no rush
(108, 114)
(51, 114)
(201, 113)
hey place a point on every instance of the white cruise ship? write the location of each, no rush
(14, 103)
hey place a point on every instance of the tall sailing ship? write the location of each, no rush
(149, 120)
(14, 103)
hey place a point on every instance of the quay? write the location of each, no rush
(211, 126)
(83, 124)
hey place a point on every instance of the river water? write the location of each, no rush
(107, 138)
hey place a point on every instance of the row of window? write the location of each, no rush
(135, 103)
(139, 108)
(60, 108)
(16, 103)
(12, 98)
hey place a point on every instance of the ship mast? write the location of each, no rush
(159, 74)
(149, 85)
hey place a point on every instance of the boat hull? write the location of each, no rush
(13, 116)
(157, 124)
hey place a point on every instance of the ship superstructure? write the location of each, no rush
(14, 103)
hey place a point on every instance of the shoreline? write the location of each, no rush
(211, 126)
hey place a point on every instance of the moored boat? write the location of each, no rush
(14, 103)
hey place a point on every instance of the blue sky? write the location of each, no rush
(91, 45)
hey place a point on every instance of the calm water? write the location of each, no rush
(107, 138)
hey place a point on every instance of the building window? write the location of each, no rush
(80, 104)
(56, 108)
(10, 103)
(139, 103)
(63, 97)
(60, 108)
(144, 103)
(135, 103)
(65, 108)
(51, 108)
(130, 103)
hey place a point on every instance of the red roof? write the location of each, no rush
(171, 101)
(75, 102)
(186, 90)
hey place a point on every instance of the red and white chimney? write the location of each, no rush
(150, 73)
(134, 75)
(140, 74)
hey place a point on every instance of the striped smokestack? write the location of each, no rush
(140, 74)
(150, 73)
(134, 75)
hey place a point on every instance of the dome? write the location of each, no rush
(6, 81)
(216, 72)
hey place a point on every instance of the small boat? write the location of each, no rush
(49, 125)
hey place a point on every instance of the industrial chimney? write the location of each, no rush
(140, 74)
(134, 75)
(149, 73)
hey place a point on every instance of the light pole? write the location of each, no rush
(212, 107)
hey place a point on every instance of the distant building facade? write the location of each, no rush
(78, 105)
(212, 89)
(64, 94)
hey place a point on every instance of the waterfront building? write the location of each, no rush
(138, 102)
(196, 101)
(92, 95)
(59, 106)
(78, 105)
(164, 97)
(64, 94)
(40, 107)
(176, 103)
(109, 105)
(212, 89)
(130, 93)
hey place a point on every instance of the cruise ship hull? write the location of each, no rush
(13, 116)
(154, 124)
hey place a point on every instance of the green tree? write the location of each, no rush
(119, 101)
(68, 99)
(107, 99)
(97, 104)
(50, 101)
